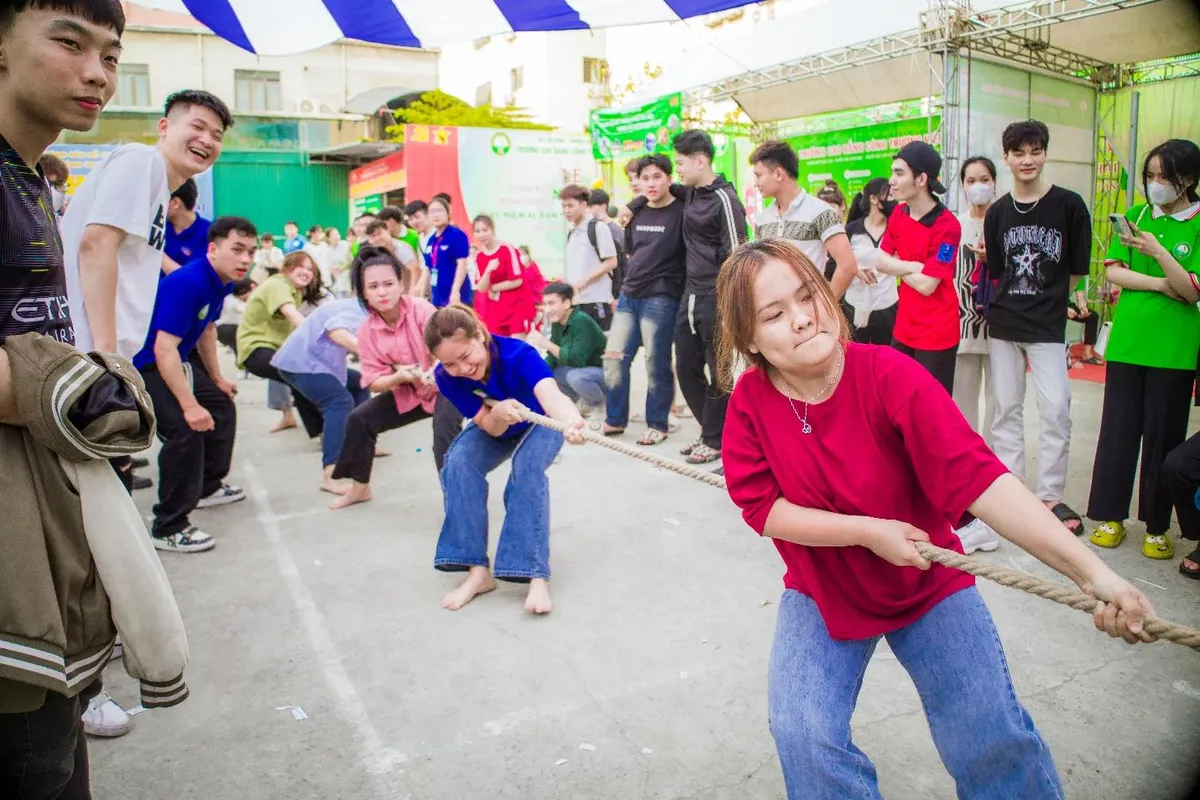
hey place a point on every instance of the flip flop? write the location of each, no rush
(609, 431)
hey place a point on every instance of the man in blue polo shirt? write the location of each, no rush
(193, 402)
(187, 231)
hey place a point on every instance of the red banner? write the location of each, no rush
(381, 176)
(433, 168)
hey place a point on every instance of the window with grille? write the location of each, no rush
(133, 85)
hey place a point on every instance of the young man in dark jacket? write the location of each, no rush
(714, 223)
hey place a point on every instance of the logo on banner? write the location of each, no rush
(501, 144)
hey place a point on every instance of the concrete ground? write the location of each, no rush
(647, 681)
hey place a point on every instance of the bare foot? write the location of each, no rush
(479, 581)
(538, 599)
(288, 421)
(357, 493)
(381, 453)
(334, 487)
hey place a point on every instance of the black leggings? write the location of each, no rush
(259, 363)
(1180, 478)
(380, 414)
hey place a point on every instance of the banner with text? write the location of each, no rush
(619, 133)
(856, 155)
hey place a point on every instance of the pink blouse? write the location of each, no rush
(382, 346)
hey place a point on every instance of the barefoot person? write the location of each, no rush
(489, 379)
(854, 574)
(395, 363)
(313, 362)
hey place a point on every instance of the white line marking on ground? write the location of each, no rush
(1148, 583)
(378, 759)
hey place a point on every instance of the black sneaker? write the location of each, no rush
(141, 482)
(140, 462)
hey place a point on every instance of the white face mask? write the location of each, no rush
(1161, 194)
(980, 194)
(60, 199)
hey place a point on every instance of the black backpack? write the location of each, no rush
(618, 274)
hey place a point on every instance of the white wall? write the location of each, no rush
(331, 75)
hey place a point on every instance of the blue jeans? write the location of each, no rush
(335, 399)
(986, 740)
(638, 321)
(585, 382)
(524, 548)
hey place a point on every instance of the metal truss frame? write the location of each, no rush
(1016, 33)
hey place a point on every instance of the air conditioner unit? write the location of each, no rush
(308, 105)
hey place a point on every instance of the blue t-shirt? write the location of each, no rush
(442, 255)
(310, 351)
(516, 369)
(189, 244)
(188, 301)
(293, 244)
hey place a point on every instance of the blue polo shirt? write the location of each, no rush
(516, 369)
(188, 301)
(293, 244)
(441, 256)
(189, 244)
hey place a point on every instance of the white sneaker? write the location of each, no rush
(978, 535)
(105, 718)
(221, 497)
(190, 540)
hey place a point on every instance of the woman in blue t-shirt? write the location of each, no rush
(489, 379)
(448, 256)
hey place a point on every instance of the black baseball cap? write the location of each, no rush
(599, 197)
(923, 159)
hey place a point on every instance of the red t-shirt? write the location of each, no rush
(926, 322)
(510, 311)
(889, 443)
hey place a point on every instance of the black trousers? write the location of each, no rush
(191, 465)
(695, 349)
(1180, 479)
(1147, 406)
(939, 363)
(227, 335)
(43, 753)
(879, 328)
(380, 414)
(601, 312)
(259, 363)
(123, 466)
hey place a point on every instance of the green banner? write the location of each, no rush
(619, 133)
(856, 155)
(370, 204)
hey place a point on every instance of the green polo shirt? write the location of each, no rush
(581, 342)
(1149, 328)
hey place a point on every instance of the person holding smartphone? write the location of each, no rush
(1152, 348)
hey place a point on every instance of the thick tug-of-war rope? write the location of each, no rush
(1163, 629)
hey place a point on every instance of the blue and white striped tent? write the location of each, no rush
(282, 27)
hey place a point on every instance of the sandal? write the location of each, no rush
(652, 436)
(1191, 572)
(687, 449)
(609, 430)
(703, 454)
(1095, 361)
(1066, 514)
(1157, 546)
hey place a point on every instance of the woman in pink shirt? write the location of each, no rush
(846, 454)
(394, 362)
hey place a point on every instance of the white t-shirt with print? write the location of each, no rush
(807, 221)
(128, 191)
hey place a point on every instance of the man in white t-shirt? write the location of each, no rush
(814, 225)
(591, 255)
(115, 229)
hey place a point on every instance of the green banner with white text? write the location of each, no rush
(622, 133)
(856, 155)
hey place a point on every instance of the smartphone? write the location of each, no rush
(1121, 225)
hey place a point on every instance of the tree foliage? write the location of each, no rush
(438, 108)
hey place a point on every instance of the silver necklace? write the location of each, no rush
(805, 427)
(1017, 208)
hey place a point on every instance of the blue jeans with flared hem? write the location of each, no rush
(648, 321)
(985, 738)
(523, 551)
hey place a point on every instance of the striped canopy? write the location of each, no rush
(283, 27)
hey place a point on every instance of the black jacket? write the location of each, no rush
(714, 223)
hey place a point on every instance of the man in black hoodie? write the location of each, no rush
(714, 223)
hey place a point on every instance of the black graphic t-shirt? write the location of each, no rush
(657, 257)
(33, 283)
(1036, 251)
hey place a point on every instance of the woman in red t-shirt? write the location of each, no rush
(508, 310)
(846, 454)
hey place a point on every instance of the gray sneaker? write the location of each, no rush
(189, 540)
(222, 497)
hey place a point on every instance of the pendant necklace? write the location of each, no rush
(805, 427)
